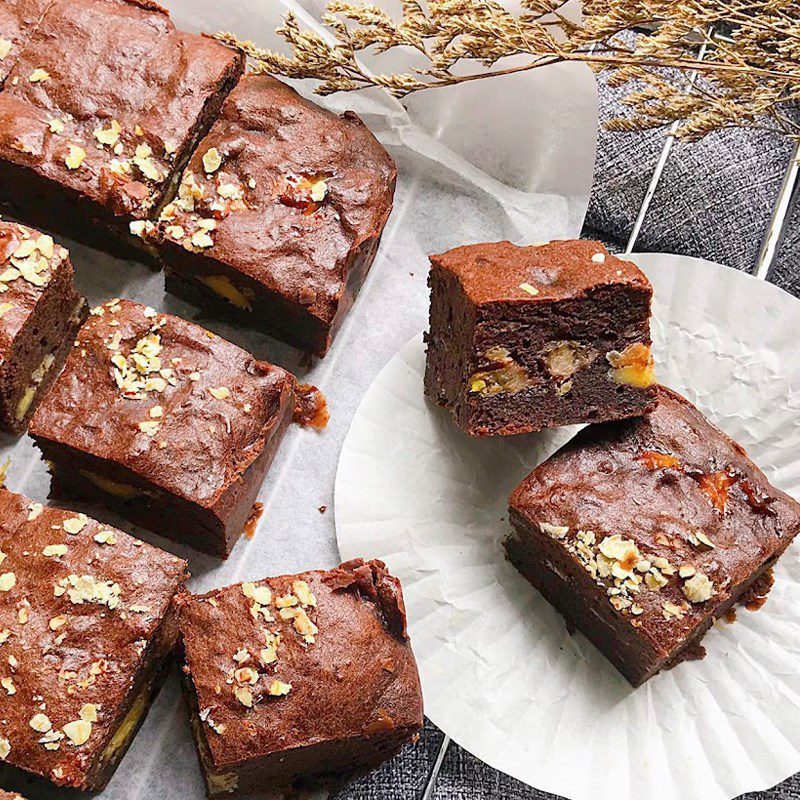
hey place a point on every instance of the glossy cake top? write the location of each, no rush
(105, 97)
(559, 270)
(284, 192)
(666, 513)
(28, 262)
(173, 403)
(79, 603)
(299, 660)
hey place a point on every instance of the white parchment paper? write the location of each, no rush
(500, 673)
(511, 158)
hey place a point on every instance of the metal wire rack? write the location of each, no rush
(770, 247)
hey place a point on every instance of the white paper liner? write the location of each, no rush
(500, 673)
(464, 175)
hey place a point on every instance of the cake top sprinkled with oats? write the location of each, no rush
(79, 602)
(665, 513)
(166, 400)
(557, 270)
(118, 136)
(320, 655)
(284, 192)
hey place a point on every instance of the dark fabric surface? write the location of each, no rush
(714, 201)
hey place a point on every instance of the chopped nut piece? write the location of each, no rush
(221, 393)
(526, 287)
(509, 377)
(654, 580)
(108, 136)
(565, 358)
(278, 688)
(40, 723)
(5, 748)
(86, 589)
(698, 588)
(78, 732)
(7, 581)
(303, 593)
(57, 622)
(75, 157)
(105, 537)
(246, 675)
(670, 610)
(244, 696)
(260, 594)
(599, 258)
(212, 160)
(556, 531)
(8, 685)
(55, 550)
(5, 48)
(39, 75)
(75, 525)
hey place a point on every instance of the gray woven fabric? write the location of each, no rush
(714, 201)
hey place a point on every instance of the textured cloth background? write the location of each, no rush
(714, 201)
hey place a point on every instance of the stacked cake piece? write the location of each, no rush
(644, 528)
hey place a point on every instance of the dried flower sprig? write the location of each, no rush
(750, 76)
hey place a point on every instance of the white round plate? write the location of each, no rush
(500, 673)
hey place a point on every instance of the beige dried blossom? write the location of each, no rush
(749, 76)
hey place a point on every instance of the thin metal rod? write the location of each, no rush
(771, 244)
(430, 785)
(662, 162)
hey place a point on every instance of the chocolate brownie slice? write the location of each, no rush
(279, 214)
(642, 532)
(299, 680)
(526, 338)
(167, 422)
(40, 313)
(100, 112)
(87, 625)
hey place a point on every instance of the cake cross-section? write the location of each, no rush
(526, 338)
(87, 625)
(40, 312)
(279, 214)
(642, 532)
(167, 422)
(101, 109)
(299, 680)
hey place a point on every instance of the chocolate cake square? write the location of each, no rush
(299, 680)
(526, 338)
(165, 421)
(40, 312)
(279, 214)
(87, 623)
(18, 19)
(642, 532)
(101, 110)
